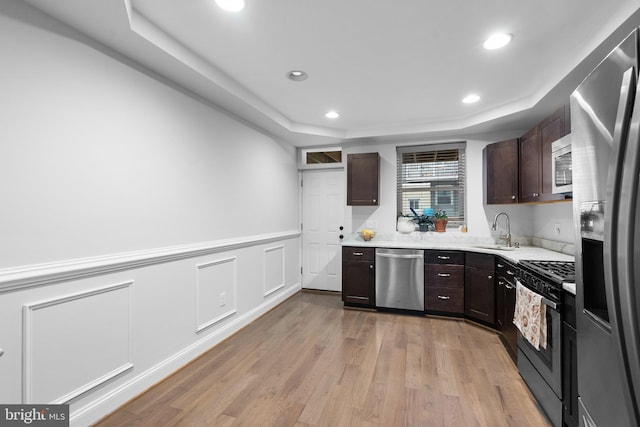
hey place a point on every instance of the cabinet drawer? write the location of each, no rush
(481, 261)
(450, 300)
(444, 275)
(443, 257)
(354, 253)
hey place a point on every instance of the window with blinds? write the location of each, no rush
(432, 176)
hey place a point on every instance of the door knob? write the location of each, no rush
(341, 237)
(341, 228)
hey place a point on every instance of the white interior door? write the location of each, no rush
(323, 207)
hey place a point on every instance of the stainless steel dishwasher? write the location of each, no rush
(400, 278)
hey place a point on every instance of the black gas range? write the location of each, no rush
(541, 368)
(546, 277)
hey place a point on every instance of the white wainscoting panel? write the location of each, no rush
(75, 329)
(216, 289)
(273, 269)
(76, 342)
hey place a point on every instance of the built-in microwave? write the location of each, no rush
(561, 165)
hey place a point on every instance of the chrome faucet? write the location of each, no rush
(506, 237)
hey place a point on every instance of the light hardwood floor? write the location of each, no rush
(309, 362)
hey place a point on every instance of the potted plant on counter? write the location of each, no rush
(423, 222)
(440, 220)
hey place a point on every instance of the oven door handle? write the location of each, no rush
(546, 301)
(549, 303)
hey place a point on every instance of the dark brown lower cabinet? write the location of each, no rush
(506, 304)
(358, 276)
(444, 282)
(479, 292)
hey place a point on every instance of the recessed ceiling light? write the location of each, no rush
(231, 5)
(332, 115)
(297, 75)
(470, 99)
(496, 41)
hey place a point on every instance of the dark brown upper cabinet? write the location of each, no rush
(363, 177)
(535, 157)
(530, 156)
(551, 129)
(501, 172)
(519, 170)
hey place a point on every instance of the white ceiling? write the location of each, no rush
(393, 69)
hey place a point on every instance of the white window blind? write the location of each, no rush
(432, 176)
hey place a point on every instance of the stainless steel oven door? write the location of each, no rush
(548, 361)
(561, 165)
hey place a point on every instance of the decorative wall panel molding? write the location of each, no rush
(216, 289)
(12, 279)
(273, 269)
(74, 343)
(140, 381)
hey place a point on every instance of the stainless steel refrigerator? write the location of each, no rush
(605, 128)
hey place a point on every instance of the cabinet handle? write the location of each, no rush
(358, 253)
(443, 257)
(374, 200)
(535, 194)
(371, 266)
(500, 265)
(509, 286)
(489, 277)
(444, 274)
(443, 297)
(510, 273)
(513, 197)
(500, 282)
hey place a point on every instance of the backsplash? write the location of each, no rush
(565, 248)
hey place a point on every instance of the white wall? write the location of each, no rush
(547, 216)
(99, 158)
(138, 228)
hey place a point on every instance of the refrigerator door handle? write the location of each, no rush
(627, 262)
(611, 206)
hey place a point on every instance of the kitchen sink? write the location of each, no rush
(495, 247)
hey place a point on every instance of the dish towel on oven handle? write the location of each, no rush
(530, 316)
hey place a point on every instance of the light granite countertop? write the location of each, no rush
(458, 241)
